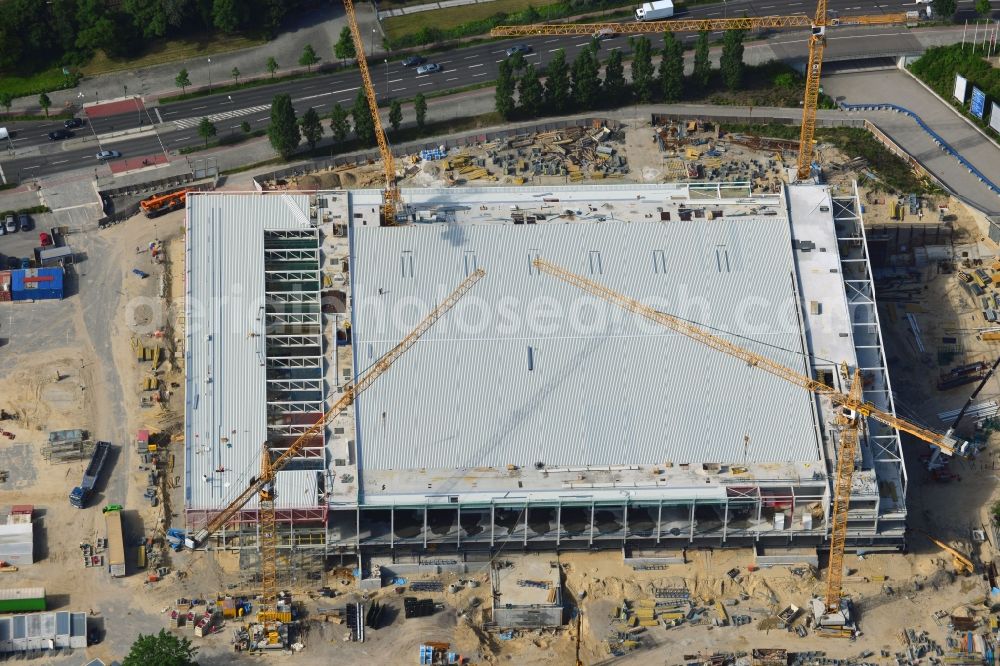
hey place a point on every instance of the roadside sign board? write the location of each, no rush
(978, 105)
(960, 84)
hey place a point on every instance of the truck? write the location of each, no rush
(654, 11)
(80, 494)
(116, 542)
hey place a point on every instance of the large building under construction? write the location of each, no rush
(532, 414)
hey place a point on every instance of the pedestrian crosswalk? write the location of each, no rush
(184, 123)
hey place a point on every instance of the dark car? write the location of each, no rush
(73, 123)
(60, 134)
(13, 263)
(25, 262)
(24, 221)
(519, 48)
(414, 60)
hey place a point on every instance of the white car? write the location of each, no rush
(429, 68)
(108, 155)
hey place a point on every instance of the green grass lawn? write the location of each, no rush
(23, 86)
(161, 51)
(451, 17)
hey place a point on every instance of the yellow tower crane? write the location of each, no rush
(817, 42)
(263, 486)
(392, 199)
(852, 405)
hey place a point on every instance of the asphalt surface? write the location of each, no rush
(167, 128)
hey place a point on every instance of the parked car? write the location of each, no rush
(429, 68)
(414, 60)
(73, 123)
(25, 262)
(24, 221)
(13, 263)
(10, 224)
(58, 135)
(44, 239)
(519, 48)
(108, 155)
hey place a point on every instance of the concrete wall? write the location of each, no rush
(527, 617)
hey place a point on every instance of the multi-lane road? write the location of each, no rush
(170, 127)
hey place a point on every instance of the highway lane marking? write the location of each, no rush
(554, 50)
(469, 57)
(183, 138)
(199, 108)
(60, 162)
(712, 13)
(480, 74)
(454, 78)
(500, 51)
(167, 113)
(582, 44)
(35, 166)
(426, 84)
(444, 62)
(2, 177)
(395, 80)
(474, 66)
(549, 41)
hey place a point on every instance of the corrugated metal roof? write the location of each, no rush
(23, 593)
(226, 397)
(527, 369)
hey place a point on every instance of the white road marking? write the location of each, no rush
(712, 13)
(395, 80)
(425, 84)
(167, 113)
(158, 116)
(480, 74)
(500, 51)
(60, 162)
(549, 41)
(2, 177)
(393, 90)
(444, 62)
(582, 44)
(34, 166)
(183, 138)
(199, 108)
(468, 57)
(554, 50)
(454, 78)
(474, 66)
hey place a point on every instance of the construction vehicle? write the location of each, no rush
(833, 611)
(116, 541)
(653, 11)
(160, 204)
(392, 199)
(80, 494)
(817, 42)
(963, 565)
(263, 486)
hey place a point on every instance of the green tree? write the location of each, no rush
(529, 92)
(784, 80)
(150, 18)
(557, 87)
(182, 80)
(6, 100)
(163, 649)
(395, 114)
(245, 127)
(731, 61)
(945, 8)
(206, 130)
(642, 68)
(586, 83)
(420, 109)
(504, 92)
(235, 73)
(702, 74)
(615, 88)
(283, 131)
(45, 103)
(225, 15)
(271, 66)
(983, 8)
(364, 126)
(312, 127)
(339, 125)
(308, 57)
(672, 69)
(344, 48)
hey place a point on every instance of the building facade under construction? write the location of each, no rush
(534, 415)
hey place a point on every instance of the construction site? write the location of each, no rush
(626, 389)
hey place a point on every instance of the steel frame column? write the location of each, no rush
(592, 511)
(659, 521)
(425, 527)
(558, 522)
(392, 526)
(625, 521)
(492, 524)
(691, 525)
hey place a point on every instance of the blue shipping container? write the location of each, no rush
(36, 283)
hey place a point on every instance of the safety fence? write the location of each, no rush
(935, 137)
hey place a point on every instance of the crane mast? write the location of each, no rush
(392, 198)
(817, 43)
(263, 486)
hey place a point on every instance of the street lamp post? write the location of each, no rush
(387, 78)
(371, 49)
(210, 74)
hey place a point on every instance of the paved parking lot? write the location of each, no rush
(19, 244)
